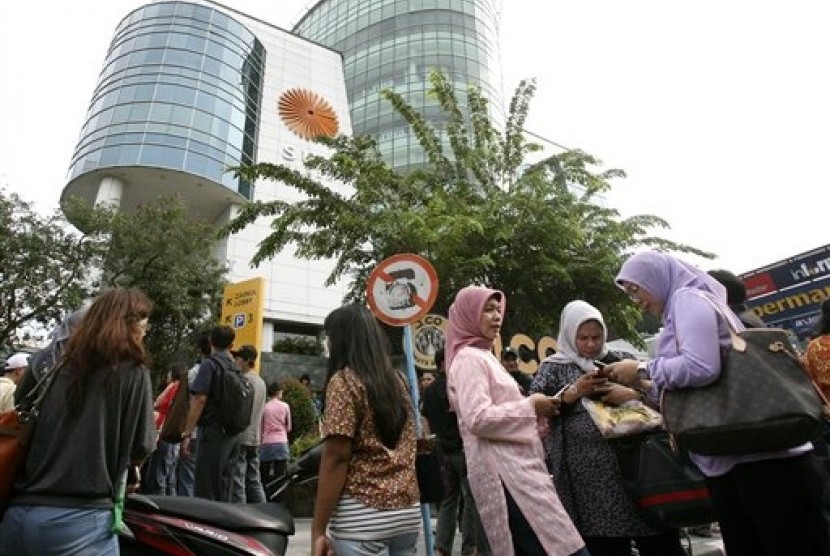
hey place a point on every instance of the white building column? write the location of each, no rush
(223, 248)
(110, 192)
(267, 335)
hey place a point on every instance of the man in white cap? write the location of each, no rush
(12, 373)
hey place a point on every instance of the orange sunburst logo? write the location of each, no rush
(307, 114)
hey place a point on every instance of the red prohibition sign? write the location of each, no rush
(402, 289)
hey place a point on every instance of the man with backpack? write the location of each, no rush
(247, 487)
(221, 406)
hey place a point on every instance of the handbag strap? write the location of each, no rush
(778, 347)
(738, 343)
(34, 397)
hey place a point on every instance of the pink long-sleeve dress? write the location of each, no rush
(503, 450)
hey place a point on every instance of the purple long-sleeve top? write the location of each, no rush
(688, 357)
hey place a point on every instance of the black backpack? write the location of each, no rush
(235, 397)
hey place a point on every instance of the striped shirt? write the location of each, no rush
(355, 521)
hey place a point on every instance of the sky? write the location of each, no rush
(718, 111)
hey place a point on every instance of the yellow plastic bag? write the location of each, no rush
(632, 417)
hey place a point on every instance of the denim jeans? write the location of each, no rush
(50, 530)
(161, 476)
(247, 485)
(186, 468)
(274, 451)
(401, 545)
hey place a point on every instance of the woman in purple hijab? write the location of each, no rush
(767, 504)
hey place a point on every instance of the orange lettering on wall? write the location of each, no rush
(519, 340)
(522, 340)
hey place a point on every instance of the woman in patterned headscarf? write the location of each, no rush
(583, 464)
(767, 504)
(514, 495)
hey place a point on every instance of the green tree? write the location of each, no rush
(43, 266)
(477, 211)
(160, 249)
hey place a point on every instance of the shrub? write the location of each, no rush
(303, 416)
(304, 443)
(298, 345)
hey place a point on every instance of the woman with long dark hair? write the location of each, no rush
(95, 421)
(161, 471)
(367, 496)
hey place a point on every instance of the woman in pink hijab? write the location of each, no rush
(513, 491)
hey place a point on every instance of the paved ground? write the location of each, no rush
(300, 544)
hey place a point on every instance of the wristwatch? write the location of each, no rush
(642, 370)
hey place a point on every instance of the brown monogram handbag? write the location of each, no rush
(763, 400)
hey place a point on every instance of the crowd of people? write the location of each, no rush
(527, 471)
(98, 430)
(769, 503)
(208, 461)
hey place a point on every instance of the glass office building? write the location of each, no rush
(180, 89)
(189, 89)
(395, 44)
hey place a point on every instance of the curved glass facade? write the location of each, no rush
(395, 44)
(180, 89)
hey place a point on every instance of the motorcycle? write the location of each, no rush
(184, 526)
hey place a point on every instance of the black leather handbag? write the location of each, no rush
(430, 471)
(669, 491)
(763, 400)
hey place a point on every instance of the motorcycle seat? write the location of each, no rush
(233, 517)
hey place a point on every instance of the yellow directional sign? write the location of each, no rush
(242, 310)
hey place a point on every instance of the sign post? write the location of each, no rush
(242, 310)
(401, 290)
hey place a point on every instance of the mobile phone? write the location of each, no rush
(600, 368)
(561, 392)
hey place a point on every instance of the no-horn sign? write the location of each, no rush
(402, 289)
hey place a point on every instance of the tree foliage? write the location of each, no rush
(160, 249)
(303, 418)
(478, 211)
(43, 266)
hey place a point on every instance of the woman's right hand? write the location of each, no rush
(624, 372)
(545, 406)
(323, 546)
(587, 384)
(184, 447)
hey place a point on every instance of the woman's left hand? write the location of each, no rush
(545, 406)
(617, 394)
